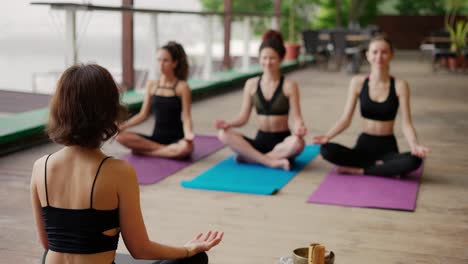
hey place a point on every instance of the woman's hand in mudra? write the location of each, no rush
(200, 244)
(419, 151)
(221, 124)
(189, 136)
(320, 139)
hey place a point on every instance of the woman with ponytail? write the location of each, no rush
(169, 98)
(275, 99)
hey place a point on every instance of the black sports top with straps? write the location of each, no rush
(80, 231)
(277, 105)
(167, 110)
(381, 111)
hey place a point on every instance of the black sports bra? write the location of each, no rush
(80, 231)
(381, 111)
(277, 105)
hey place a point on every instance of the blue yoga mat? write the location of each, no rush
(230, 176)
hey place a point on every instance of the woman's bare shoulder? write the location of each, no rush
(251, 84)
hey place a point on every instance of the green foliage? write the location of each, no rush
(458, 34)
(239, 5)
(420, 7)
(299, 11)
(302, 16)
(430, 7)
(331, 15)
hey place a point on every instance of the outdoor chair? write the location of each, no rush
(314, 47)
(441, 51)
(343, 51)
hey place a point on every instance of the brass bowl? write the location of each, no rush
(301, 256)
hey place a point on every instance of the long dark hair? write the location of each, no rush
(178, 54)
(273, 39)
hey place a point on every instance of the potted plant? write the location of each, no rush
(457, 30)
(458, 33)
(292, 47)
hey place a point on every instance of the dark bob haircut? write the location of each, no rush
(273, 39)
(85, 109)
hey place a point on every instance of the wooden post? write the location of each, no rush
(246, 55)
(154, 45)
(128, 75)
(70, 37)
(227, 34)
(208, 59)
(276, 20)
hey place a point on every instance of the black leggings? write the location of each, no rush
(265, 142)
(200, 258)
(368, 150)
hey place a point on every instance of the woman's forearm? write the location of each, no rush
(339, 127)
(410, 135)
(133, 121)
(188, 126)
(238, 122)
(154, 250)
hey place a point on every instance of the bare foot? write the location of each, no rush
(137, 152)
(349, 170)
(281, 164)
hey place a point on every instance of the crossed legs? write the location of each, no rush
(276, 158)
(140, 145)
(352, 161)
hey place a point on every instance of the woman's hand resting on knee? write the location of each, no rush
(419, 151)
(300, 130)
(320, 139)
(200, 244)
(221, 124)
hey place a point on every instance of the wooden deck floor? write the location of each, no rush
(260, 229)
(16, 102)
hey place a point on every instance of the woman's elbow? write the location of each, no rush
(345, 123)
(137, 252)
(407, 127)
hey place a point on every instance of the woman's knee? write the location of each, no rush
(122, 137)
(298, 144)
(413, 162)
(328, 151)
(186, 148)
(200, 258)
(224, 135)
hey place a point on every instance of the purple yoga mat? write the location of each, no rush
(152, 169)
(369, 191)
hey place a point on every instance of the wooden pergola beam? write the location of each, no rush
(128, 74)
(227, 34)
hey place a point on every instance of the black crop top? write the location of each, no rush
(381, 111)
(277, 105)
(80, 231)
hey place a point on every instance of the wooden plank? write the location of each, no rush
(260, 229)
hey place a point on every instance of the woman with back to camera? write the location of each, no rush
(168, 98)
(275, 98)
(376, 150)
(83, 199)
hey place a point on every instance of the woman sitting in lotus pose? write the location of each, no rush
(168, 98)
(275, 99)
(376, 150)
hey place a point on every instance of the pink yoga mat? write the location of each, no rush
(369, 191)
(151, 169)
